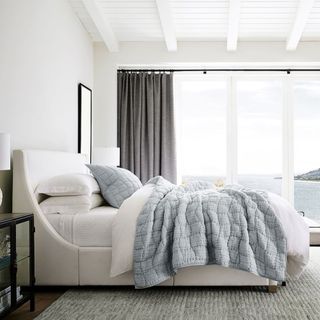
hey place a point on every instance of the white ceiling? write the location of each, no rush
(114, 21)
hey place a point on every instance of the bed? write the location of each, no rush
(83, 257)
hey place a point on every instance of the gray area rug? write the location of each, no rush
(299, 300)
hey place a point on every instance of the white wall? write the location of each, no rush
(44, 53)
(188, 54)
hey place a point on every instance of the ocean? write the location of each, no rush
(306, 193)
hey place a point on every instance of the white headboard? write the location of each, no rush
(32, 166)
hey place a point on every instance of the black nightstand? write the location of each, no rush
(16, 262)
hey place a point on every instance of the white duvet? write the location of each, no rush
(124, 226)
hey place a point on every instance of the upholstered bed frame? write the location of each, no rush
(59, 262)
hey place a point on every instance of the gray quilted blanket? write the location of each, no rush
(191, 225)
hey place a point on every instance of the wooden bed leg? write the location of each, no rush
(272, 289)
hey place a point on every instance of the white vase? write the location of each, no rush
(0, 197)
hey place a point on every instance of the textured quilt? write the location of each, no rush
(191, 225)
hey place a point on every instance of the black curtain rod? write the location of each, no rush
(210, 70)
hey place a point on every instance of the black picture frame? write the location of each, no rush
(85, 121)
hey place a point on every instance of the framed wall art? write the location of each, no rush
(85, 121)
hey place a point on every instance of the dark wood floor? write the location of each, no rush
(44, 297)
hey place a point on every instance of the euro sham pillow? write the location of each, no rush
(71, 204)
(116, 184)
(76, 184)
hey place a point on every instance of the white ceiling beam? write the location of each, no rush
(102, 24)
(299, 24)
(233, 24)
(167, 24)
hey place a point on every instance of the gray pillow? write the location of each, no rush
(116, 184)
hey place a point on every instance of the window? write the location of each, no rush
(306, 147)
(259, 104)
(202, 129)
(259, 130)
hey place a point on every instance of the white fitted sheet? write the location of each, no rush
(93, 229)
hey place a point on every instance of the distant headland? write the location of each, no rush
(313, 175)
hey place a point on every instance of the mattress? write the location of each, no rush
(93, 229)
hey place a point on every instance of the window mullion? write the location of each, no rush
(177, 115)
(287, 138)
(232, 150)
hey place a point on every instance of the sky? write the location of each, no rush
(202, 126)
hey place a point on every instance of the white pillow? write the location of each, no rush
(71, 204)
(76, 184)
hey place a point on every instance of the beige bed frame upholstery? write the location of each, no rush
(59, 262)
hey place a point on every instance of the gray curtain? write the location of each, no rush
(146, 134)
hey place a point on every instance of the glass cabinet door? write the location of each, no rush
(23, 258)
(5, 262)
(23, 240)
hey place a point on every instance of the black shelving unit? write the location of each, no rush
(16, 262)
